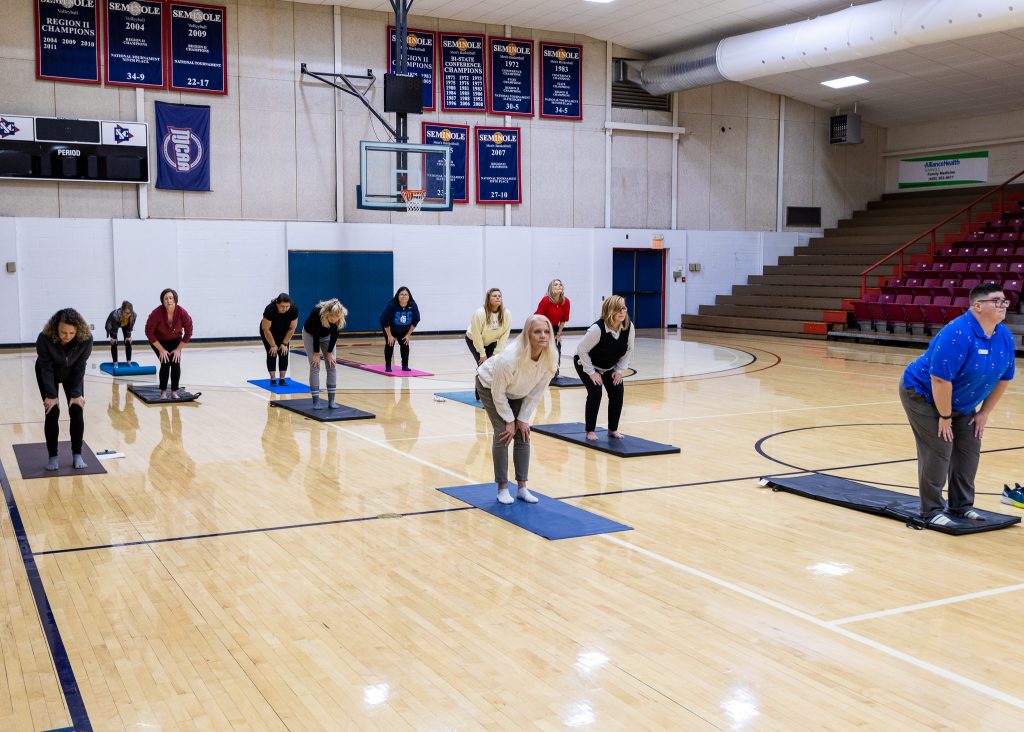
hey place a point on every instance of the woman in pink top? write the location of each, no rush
(168, 329)
(555, 307)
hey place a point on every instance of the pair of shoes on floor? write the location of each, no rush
(279, 382)
(1013, 496)
(950, 518)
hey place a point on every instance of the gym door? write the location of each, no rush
(361, 280)
(638, 275)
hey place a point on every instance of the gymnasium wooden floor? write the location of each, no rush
(246, 568)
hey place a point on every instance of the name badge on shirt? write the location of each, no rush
(982, 351)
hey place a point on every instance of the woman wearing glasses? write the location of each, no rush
(968, 363)
(601, 359)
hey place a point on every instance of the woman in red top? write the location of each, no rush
(169, 328)
(555, 307)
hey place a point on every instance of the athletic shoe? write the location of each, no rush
(940, 519)
(282, 382)
(1013, 496)
(971, 513)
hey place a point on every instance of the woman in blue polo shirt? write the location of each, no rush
(968, 363)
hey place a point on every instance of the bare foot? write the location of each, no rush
(174, 395)
(592, 436)
(617, 435)
(163, 395)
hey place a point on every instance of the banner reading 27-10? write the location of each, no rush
(497, 165)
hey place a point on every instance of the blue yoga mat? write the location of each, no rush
(292, 387)
(123, 368)
(465, 397)
(550, 518)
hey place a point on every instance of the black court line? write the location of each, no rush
(65, 674)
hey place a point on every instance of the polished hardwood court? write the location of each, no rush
(243, 567)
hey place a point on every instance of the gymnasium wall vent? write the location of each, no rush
(628, 95)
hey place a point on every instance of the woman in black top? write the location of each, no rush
(122, 318)
(320, 334)
(280, 318)
(398, 320)
(62, 350)
(601, 359)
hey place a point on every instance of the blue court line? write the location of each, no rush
(65, 674)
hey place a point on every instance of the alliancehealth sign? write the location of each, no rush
(944, 170)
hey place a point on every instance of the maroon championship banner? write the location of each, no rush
(67, 40)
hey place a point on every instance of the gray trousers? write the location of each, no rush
(938, 460)
(499, 452)
(314, 371)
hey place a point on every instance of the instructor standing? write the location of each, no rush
(968, 363)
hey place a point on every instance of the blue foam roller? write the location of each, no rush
(122, 368)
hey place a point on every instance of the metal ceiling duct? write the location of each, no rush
(857, 32)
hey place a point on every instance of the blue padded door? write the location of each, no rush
(363, 281)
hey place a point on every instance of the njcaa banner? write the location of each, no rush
(457, 138)
(420, 60)
(463, 86)
(497, 165)
(182, 147)
(511, 76)
(944, 170)
(134, 31)
(560, 80)
(67, 40)
(197, 47)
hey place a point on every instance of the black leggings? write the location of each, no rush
(615, 394)
(50, 426)
(281, 359)
(488, 351)
(403, 348)
(127, 346)
(171, 368)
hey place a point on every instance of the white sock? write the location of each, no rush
(504, 497)
(525, 495)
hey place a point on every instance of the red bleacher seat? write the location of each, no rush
(999, 267)
(958, 266)
(1015, 267)
(978, 267)
(879, 316)
(1010, 236)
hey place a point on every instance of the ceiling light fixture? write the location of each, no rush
(845, 82)
(597, 1)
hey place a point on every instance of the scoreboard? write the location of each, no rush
(90, 150)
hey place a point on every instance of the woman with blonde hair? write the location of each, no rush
(319, 335)
(489, 328)
(555, 307)
(123, 319)
(602, 357)
(62, 350)
(510, 386)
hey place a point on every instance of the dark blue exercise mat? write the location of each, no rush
(125, 368)
(563, 382)
(292, 387)
(628, 446)
(464, 397)
(150, 394)
(305, 408)
(870, 499)
(32, 459)
(549, 517)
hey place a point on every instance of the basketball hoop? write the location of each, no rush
(413, 199)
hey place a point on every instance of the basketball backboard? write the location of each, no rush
(388, 168)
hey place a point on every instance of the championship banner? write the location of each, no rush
(420, 60)
(67, 40)
(134, 33)
(561, 75)
(463, 84)
(197, 43)
(511, 69)
(457, 138)
(944, 170)
(182, 147)
(497, 165)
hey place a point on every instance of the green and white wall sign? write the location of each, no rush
(944, 170)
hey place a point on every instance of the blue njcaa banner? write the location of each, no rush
(134, 30)
(561, 67)
(182, 147)
(511, 76)
(497, 165)
(457, 138)
(67, 40)
(197, 40)
(420, 60)
(463, 85)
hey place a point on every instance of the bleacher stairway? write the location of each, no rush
(802, 296)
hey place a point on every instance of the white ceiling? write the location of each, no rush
(955, 79)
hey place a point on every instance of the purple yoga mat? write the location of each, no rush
(378, 368)
(32, 459)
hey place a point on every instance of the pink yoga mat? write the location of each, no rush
(396, 371)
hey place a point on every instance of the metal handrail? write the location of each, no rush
(968, 209)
